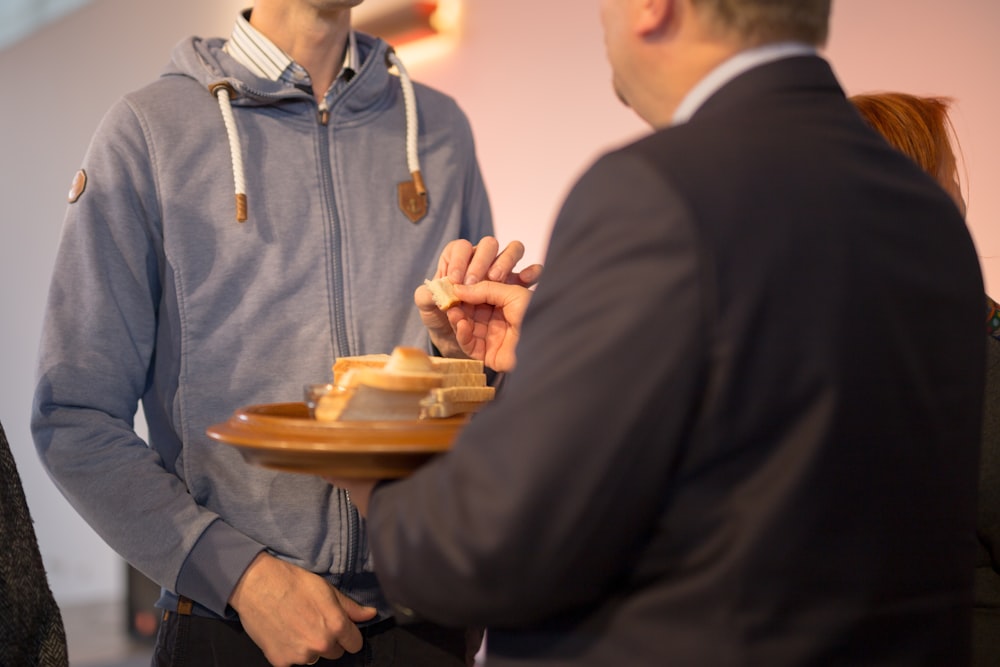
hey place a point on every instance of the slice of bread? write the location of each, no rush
(464, 380)
(444, 365)
(406, 369)
(462, 394)
(407, 384)
(448, 401)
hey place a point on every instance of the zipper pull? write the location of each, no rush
(324, 113)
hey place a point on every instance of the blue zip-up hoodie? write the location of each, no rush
(160, 295)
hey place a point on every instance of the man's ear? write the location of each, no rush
(654, 16)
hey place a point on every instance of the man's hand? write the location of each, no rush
(467, 264)
(294, 616)
(487, 324)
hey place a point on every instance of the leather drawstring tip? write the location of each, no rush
(241, 208)
(418, 183)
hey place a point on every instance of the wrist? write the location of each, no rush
(245, 582)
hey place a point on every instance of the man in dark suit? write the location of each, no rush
(743, 428)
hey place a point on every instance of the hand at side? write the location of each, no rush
(294, 615)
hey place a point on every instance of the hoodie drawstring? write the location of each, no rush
(410, 105)
(414, 203)
(224, 93)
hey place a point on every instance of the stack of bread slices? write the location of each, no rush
(407, 384)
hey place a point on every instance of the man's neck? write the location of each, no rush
(315, 40)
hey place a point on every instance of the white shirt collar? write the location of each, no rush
(732, 68)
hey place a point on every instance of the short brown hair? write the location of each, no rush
(767, 21)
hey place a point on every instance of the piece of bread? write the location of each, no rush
(444, 365)
(449, 401)
(462, 394)
(407, 384)
(331, 405)
(344, 365)
(450, 366)
(443, 291)
(389, 390)
(464, 380)
(407, 369)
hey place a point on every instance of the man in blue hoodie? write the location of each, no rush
(266, 205)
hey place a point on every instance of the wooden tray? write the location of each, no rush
(282, 436)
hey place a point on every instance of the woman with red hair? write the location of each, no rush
(921, 128)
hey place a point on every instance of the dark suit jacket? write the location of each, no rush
(744, 425)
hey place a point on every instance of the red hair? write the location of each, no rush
(917, 126)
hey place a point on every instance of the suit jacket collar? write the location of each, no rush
(780, 76)
(733, 67)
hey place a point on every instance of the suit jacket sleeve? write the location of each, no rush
(551, 491)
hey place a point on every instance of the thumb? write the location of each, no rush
(423, 298)
(355, 611)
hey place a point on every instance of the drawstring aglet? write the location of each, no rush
(418, 183)
(241, 208)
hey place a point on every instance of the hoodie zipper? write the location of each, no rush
(337, 311)
(337, 278)
(353, 546)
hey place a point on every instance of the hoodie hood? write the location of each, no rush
(232, 84)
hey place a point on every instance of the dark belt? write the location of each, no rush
(186, 605)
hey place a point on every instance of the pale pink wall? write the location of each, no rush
(533, 78)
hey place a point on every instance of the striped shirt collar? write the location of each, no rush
(249, 47)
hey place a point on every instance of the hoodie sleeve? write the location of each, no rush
(97, 346)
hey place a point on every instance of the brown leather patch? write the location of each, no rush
(411, 202)
(78, 186)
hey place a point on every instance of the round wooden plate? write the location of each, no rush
(283, 436)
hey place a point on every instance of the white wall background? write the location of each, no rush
(531, 76)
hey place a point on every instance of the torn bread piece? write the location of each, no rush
(443, 291)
